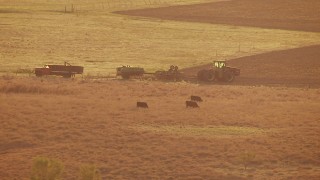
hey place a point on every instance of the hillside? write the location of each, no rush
(294, 67)
(301, 15)
(97, 122)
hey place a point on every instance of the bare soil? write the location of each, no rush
(301, 15)
(294, 67)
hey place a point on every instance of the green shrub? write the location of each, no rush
(89, 172)
(46, 169)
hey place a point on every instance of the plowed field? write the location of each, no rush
(294, 67)
(278, 14)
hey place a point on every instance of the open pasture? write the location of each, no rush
(97, 122)
(239, 132)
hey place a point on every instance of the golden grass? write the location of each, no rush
(211, 131)
(99, 40)
(38, 87)
(99, 124)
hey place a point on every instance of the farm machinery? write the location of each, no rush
(218, 71)
(126, 72)
(172, 74)
(66, 70)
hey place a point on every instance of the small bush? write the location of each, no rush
(89, 172)
(247, 158)
(32, 89)
(46, 169)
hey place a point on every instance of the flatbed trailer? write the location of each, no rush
(65, 70)
(127, 71)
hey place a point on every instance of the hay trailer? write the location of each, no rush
(66, 70)
(126, 72)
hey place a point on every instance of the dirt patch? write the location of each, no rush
(293, 67)
(276, 14)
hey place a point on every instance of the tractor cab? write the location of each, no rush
(219, 64)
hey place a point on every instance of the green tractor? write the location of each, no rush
(218, 72)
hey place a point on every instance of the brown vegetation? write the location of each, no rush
(100, 124)
(256, 131)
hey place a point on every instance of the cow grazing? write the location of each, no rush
(142, 105)
(191, 104)
(196, 98)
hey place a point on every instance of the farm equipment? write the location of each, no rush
(218, 72)
(172, 74)
(65, 70)
(126, 72)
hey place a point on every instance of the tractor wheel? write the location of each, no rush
(201, 74)
(228, 77)
(209, 76)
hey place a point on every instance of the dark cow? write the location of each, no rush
(191, 104)
(142, 105)
(196, 98)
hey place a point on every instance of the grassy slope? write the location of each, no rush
(33, 34)
(97, 122)
(87, 121)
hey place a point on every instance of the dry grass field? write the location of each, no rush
(96, 121)
(34, 33)
(266, 125)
